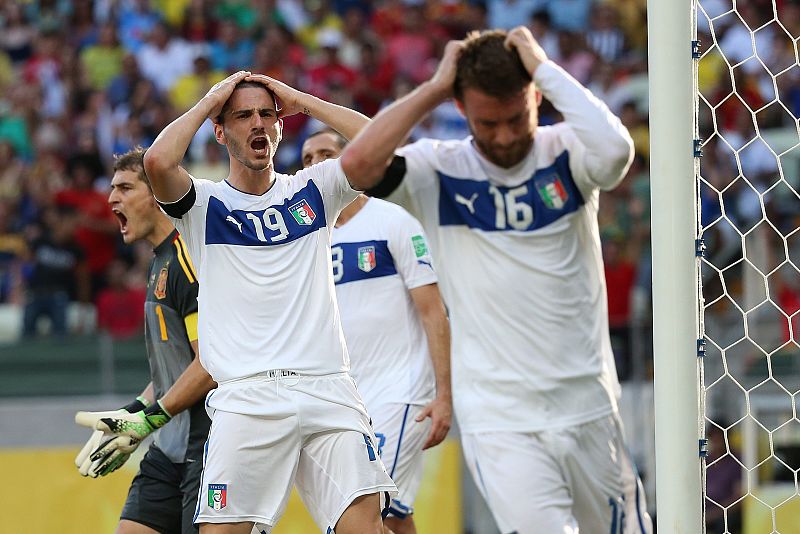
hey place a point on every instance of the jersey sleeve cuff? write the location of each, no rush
(180, 207)
(420, 281)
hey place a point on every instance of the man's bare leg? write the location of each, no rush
(226, 528)
(126, 526)
(401, 526)
(363, 516)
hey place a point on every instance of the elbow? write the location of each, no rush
(153, 164)
(618, 154)
(363, 172)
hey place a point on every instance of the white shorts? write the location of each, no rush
(311, 431)
(579, 477)
(400, 441)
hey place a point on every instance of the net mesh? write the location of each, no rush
(748, 95)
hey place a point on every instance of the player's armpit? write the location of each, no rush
(392, 178)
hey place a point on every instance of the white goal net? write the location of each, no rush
(748, 95)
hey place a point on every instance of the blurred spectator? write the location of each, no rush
(120, 306)
(11, 173)
(164, 58)
(723, 482)
(190, 88)
(330, 72)
(44, 69)
(507, 14)
(542, 29)
(637, 127)
(620, 272)
(571, 15)
(605, 37)
(633, 21)
(355, 32)
(413, 48)
(13, 124)
(135, 22)
(17, 35)
(321, 18)
(103, 60)
(199, 23)
(97, 229)
(573, 56)
(121, 87)
(375, 79)
(213, 165)
(58, 272)
(231, 51)
(83, 30)
(13, 252)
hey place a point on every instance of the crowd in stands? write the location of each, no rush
(81, 80)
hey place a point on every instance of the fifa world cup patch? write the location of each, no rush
(217, 496)
(367, 259)
(552, 191)
(160, 290)
(420, 247)
(302, 213)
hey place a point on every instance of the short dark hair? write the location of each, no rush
(340, 139)
(244, 85)
(133, 161)
(488, 66)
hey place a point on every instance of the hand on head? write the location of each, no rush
(290, 98)
(445, 75)
(529, 50)
(222, 91)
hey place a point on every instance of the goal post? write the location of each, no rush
(679, 497)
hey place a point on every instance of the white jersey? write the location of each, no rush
(518, 251)
(266, 298)
(378, 256)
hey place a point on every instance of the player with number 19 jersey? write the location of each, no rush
(266, 301)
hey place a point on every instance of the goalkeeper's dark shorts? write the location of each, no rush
(163, 495)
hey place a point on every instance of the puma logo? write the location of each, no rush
(470, 204)
(234, 221)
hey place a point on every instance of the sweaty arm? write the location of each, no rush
(170, 181)
(431, 310)
(365, 159)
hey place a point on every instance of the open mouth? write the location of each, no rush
(123, 221)
(259, 145)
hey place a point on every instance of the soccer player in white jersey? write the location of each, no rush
(396, 329)
(286, 410)
(511, 212)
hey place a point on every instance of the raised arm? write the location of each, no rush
(609, 148)
(344, 120)
(365, 159)
(162, 160)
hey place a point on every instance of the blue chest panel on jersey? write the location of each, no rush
(298, 216)
(361, 261)
(544, 198)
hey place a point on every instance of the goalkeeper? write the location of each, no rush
(163, 495)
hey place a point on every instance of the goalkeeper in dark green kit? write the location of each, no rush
(163, 495)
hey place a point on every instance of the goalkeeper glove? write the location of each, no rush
(122, 434)
(82, 461)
